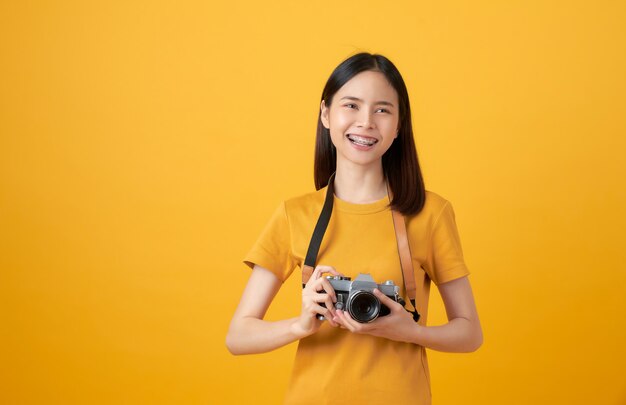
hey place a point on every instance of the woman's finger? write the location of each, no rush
(316, 309)
(331, 322)
(330, 305)
(351, 324)
(388, 302)
(321, 297)
(341, 319)
(326, 269)
(325, 284)
(326, 299)
(317, 274)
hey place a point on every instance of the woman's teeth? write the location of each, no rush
(362, 141)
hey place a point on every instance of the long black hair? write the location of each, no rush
(400, 163)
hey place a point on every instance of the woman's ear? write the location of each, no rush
(324, 115)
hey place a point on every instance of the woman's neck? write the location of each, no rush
(360, 184)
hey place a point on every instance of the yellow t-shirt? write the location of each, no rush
(335, 366)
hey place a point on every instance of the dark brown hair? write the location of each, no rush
(400, 164)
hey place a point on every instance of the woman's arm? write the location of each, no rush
(249, 333)
(462, 333)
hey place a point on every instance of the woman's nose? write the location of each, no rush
(366, 119)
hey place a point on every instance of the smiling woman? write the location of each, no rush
(358, 124)
(383, 222)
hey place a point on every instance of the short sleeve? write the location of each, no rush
(272, 250)
(445, 258)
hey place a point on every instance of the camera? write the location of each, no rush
(357, 297)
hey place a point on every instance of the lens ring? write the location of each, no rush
(363, 306)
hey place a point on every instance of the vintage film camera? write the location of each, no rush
(357, 297)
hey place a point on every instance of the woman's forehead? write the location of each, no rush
(370, 87)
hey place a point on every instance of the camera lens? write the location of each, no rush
(363, 306)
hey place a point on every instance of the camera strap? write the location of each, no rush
(402, 241)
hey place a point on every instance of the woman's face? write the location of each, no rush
(363, 118)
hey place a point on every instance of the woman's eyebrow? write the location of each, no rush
(383, 102)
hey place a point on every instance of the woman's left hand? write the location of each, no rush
(398, 325)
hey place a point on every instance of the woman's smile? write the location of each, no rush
(362, 142)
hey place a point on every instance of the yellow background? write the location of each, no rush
(144, 145)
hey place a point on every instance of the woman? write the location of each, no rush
(365, 139)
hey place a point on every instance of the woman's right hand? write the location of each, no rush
(317, 291)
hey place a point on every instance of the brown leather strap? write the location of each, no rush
(306, 273)
(404, 251)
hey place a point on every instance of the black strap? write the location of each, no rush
(322, 224)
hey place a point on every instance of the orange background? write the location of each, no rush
(144, 145)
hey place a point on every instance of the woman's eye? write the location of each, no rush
(383, 109)
(348, 105)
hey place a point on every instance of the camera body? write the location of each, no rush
(358, 299)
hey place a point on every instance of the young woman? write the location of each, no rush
(364, 138)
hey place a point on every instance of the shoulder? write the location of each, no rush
(305, 204)
(434, 204)
(436, 208)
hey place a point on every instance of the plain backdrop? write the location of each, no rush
(144, 146)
